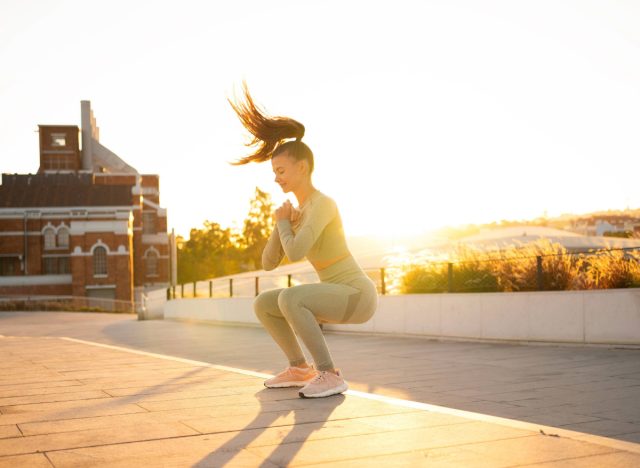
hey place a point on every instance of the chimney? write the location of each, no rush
(89, 133)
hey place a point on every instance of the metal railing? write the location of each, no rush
(546, 271)
(248, 286)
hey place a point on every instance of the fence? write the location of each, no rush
(66, 303)
(247, 286)
(594, 269)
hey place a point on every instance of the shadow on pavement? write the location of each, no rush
(299, 431)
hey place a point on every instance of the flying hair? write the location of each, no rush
(269, 134)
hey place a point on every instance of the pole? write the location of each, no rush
(539, 278)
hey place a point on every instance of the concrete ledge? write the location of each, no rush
(609, 317)
(237, 310)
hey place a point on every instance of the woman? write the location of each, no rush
(344, 295)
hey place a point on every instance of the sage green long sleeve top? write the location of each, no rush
(318, 234)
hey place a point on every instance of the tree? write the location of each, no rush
(256, 229)
(209, 252)
(215, 251)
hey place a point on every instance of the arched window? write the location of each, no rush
(49, 238)
(152, 263)
(63, 237)
(99, 261)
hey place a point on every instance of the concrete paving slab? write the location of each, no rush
(51, 397)
(200, 451)
(32, 461)
(47, 386)
(78, 410)
(610, 460)
(17, 391)
(88, 438)
(459, 456)
(370, 445)
(144, 418)
(607, 426)
(10, 430)
(634, 437)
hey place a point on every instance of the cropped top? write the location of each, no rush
(318, 234)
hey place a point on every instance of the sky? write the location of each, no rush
(421, 114)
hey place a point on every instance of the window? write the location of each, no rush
(152, 263)
(55, 266)
(99, 261)
(8, 266)
(49, 238)
(58, 139)
(63, 266)
(50, 266)
(63, 237)
(149, 223)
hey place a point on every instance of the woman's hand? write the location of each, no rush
(284, 212)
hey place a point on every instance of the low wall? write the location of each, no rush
(582, 317)
(236, 311)
(152, 305)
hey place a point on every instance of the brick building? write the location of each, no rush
(86, 225)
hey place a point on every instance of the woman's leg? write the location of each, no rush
(304, 305)
(268, 312)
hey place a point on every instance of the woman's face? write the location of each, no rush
(289, 172)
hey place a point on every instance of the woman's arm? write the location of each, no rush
(297, 245)
(272, 254)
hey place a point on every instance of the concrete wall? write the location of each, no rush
(237, 310)
(584, 317)
(153, 304)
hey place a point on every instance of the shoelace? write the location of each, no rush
(319, 377)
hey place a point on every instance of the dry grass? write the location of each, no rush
(516, 269)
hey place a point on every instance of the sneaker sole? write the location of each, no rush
(287, 384)
(326, 393)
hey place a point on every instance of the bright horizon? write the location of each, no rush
(420, 114)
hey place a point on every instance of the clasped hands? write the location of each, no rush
(286, 211)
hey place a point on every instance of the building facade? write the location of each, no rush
(85, 225)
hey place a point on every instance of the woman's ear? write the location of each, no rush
(304, 167)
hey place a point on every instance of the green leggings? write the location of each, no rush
(299, 309)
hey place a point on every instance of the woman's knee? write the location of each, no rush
(266, 302)
(287, 299)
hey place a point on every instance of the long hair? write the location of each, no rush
(269, 134)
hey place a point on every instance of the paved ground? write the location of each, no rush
(591, 390)
(69, 403)
(594, 390)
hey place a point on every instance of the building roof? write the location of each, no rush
(59, 190)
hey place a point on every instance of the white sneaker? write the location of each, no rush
(324, 384)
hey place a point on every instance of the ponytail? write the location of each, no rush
(268, 132)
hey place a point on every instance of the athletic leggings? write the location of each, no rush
(293, 311)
